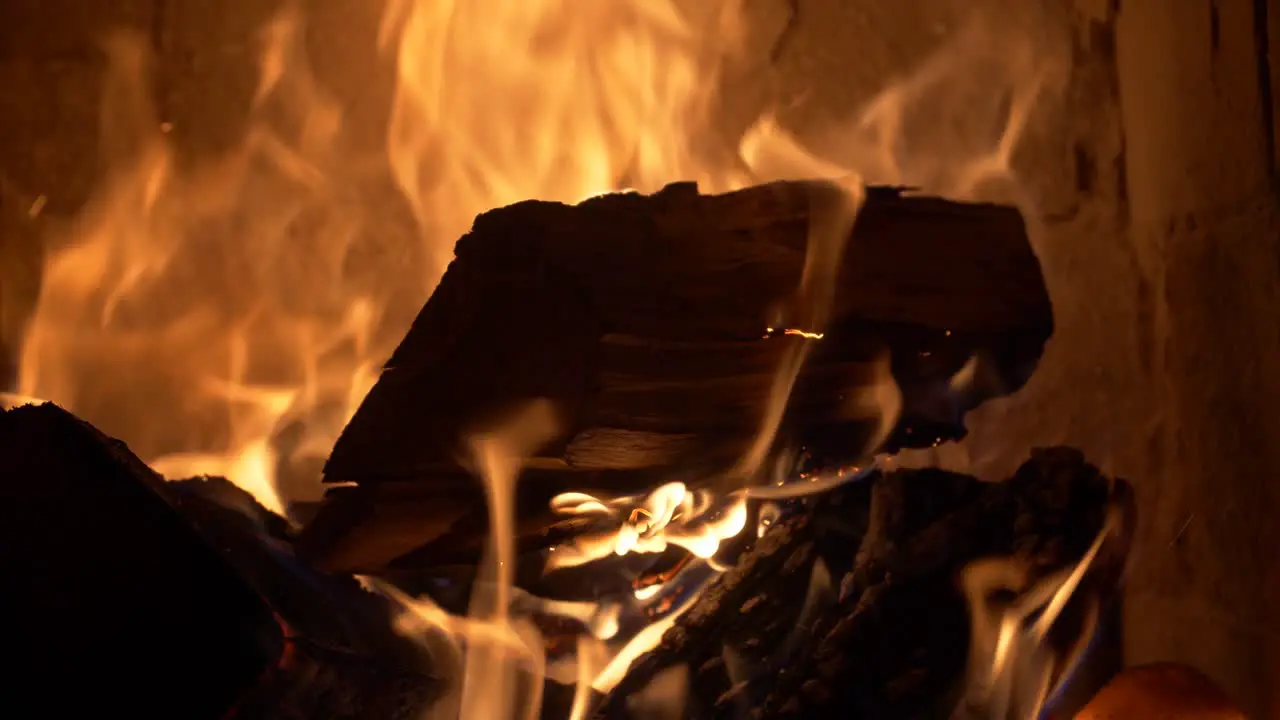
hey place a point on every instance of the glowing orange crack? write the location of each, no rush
(797, 332)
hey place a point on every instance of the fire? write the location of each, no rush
(227, 317)
(205, 313)
(500, 101)
(797, 332)
(495, 654)
(1013, 669)
(671, 514)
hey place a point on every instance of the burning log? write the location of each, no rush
(647, 321)
(110, 590)
(343, 656)
(887, 638)
(177, 599)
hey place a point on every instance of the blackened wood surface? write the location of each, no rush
(890, 638)
(644, 319)
(344, 657)
(333, 610)
(110, 594)
(630, 311)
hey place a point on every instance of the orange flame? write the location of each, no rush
(210, 315)
(498, 673)
(671, 514)
(500, 101)
(1012, 670)
(203, 313)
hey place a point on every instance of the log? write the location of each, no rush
(645, 319)
(110, 594)
(176, 599)
(890, 639)
(343, 655)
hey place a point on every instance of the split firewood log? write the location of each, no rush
(889, 637)
(656, 325)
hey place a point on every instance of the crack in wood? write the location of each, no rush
(1262, 49)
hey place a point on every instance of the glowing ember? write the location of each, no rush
(770, 332)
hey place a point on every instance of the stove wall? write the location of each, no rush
(1151, 164)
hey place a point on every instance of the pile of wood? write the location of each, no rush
(645, 320)
(889, 638)
(198, 586)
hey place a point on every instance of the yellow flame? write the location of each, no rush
(803, 333)
(641, 643)
(212, 315)
(663, 697)
(499, 101)
(495, 657)
(204, 312)
(9, 401)
(1012, 671)
(589, 661)
(670, 514)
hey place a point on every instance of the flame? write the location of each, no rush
(499, 101)
(181, 278)
(227, 316)
(490, 684)
(589, 660)
(798, 333)
(1013, 669)
(205, 313)
(495, 657)
(644, 641)
(670, 514)
(663, 698)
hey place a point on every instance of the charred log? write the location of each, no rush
(177, 599)
(889, 638)
(110, 593)
(645, 320)
(343, 657)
